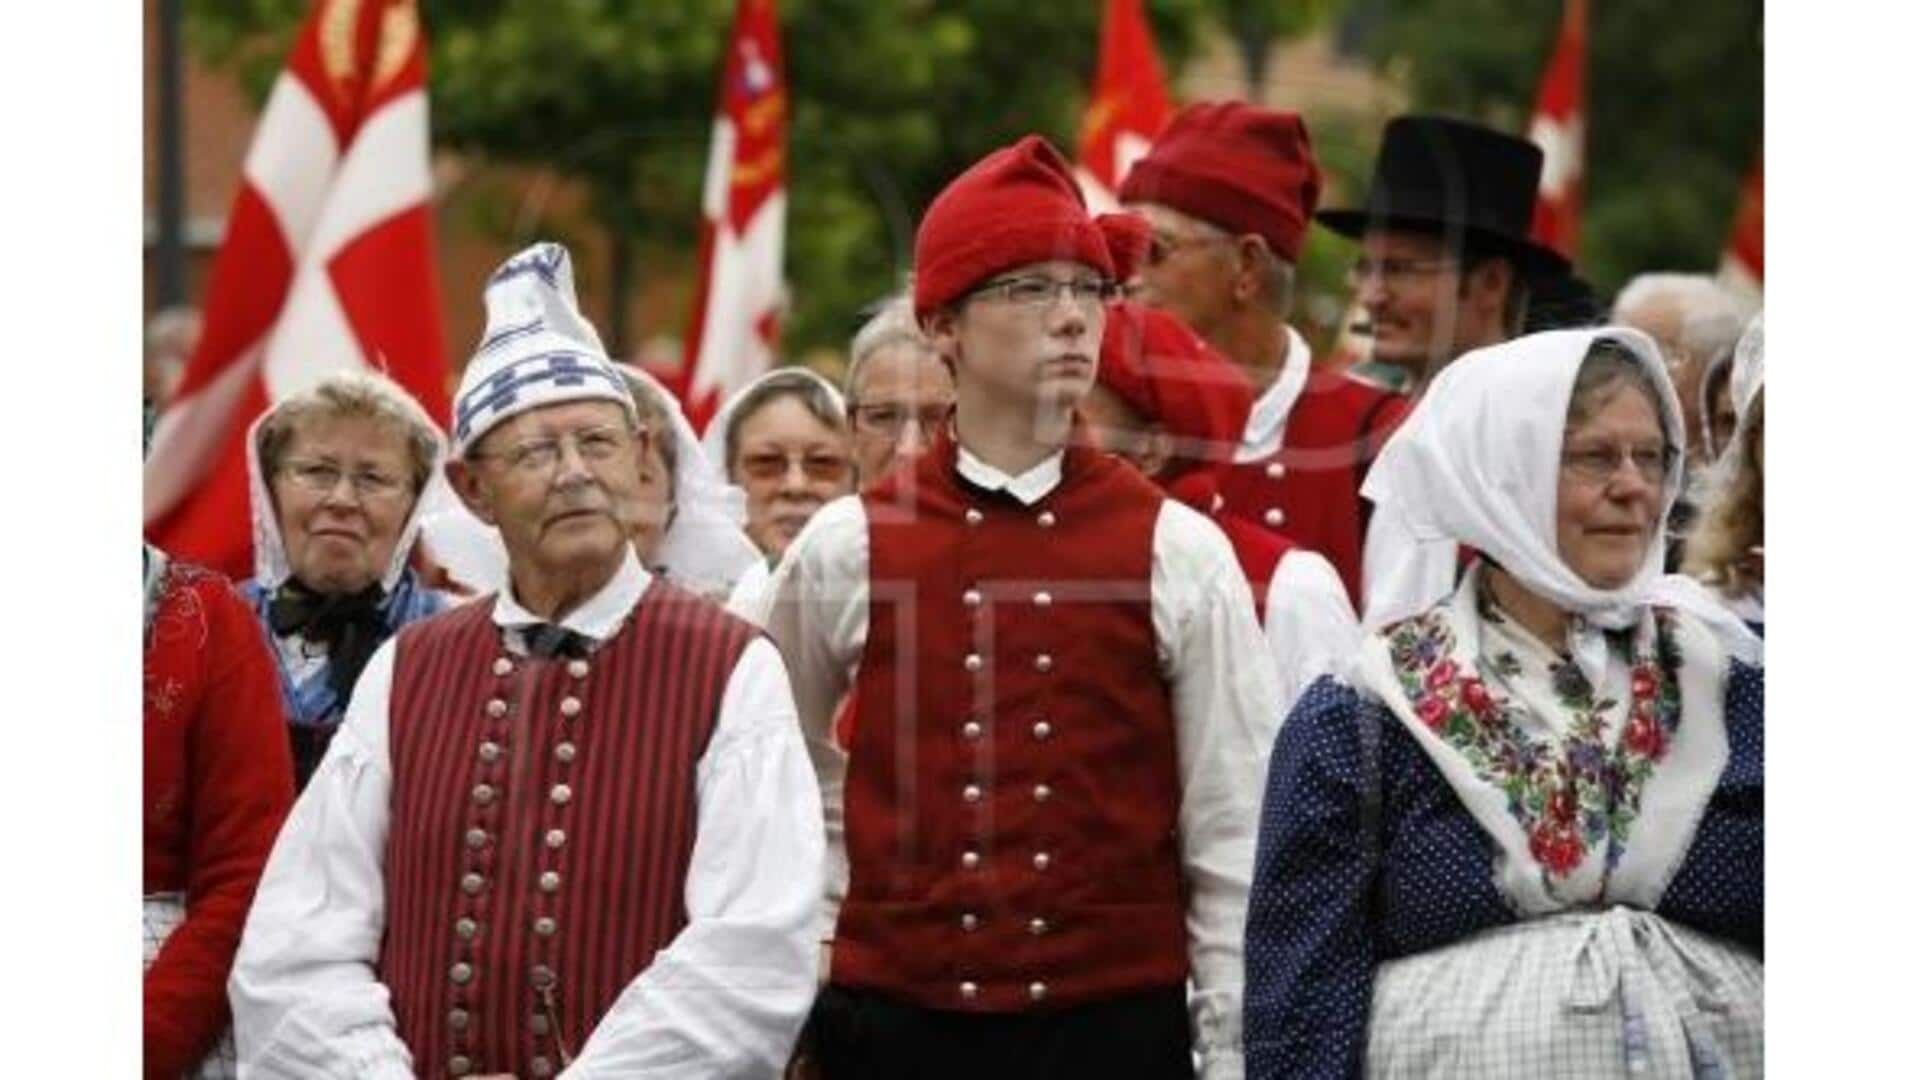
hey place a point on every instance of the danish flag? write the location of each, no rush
(1559, 130)
(1129, 107)
(327, 265)
(1743, 265)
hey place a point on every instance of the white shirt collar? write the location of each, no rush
(1267, 422)
(1029, 487)
(599, 617)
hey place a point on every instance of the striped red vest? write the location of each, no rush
(1012, 791)
(1309, 490)
(542, 817)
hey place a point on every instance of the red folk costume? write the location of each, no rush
(1311, 434)
(217, 784)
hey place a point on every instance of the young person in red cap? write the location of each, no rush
(1230, 189)
(1061, 682)
(1169, 403)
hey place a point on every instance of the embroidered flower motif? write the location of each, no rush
(1570, 795)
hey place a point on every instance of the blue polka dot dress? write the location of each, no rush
(1398, 955)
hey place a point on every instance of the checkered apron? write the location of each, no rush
(160, 914)
(1577, 995)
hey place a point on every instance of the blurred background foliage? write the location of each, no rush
(891, 100)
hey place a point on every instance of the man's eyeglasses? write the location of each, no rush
(1039, 292)
(818, 467)
(1392, 272)
(322, 477)
(890, 419)
(1166, 245)
(538, 456)
(1597, 464)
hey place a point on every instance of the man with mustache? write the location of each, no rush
(1041, 825)
(567, 827)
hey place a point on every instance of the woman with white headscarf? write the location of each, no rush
(1521, 834)
(340, 476)
(1725, 550)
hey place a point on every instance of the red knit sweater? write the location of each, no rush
(218, 783)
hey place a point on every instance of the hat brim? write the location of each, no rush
(1534, 260)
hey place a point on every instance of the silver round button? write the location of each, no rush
(970, 860)
(1046, 519)
(1037, 991)
(969, 922)
(1273, 516)
(538, 1024)
(489, 752)
(969, 990)
(471, 884)
(461, 973)
(1042, 860)
(1036, 927)
(971, 730)
(556, 838)
(570, 706)
(971, 793)
(972, 598)
(1043, 598)
(540, 1067)
(1041, 793)
(496, 707)
(545, 926)
(1042, 730)
(577, 668)
(561, 794)
(476, 838)
(502, 666)
(1043, 662)
(466, 928)
(483, 793)
(1275, 470)
(564, 752)
(458, 1065)
(973, 662)
(550, 881)
(974, 517)
(541, 976)
(457, 1019)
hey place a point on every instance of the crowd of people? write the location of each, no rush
(1094, 685)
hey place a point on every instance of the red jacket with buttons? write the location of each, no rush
(218, 782)
(1012, 791)
(1309, 491)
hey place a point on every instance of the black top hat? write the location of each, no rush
(1438, 174)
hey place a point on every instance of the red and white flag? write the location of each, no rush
(736, 312)
(1129, 107)
(1743, 265)
(327, 265)
(1559, 129)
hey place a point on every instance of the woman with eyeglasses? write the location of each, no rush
(338, 473)
(1521, 833)
(783, 439)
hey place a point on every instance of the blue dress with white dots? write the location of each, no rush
(1331, 914)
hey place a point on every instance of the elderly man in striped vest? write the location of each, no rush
(569, 828)
(1050, 781)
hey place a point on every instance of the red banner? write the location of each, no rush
(1559, 128)
(1129, 106)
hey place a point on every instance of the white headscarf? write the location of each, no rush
(271, 567)
(715, 437)
(1478, 463)
(705, 547)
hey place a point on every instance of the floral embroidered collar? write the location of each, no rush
(1571, 782)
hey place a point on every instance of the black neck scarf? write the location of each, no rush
(351, 625)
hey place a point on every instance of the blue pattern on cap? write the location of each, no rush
(502, 389)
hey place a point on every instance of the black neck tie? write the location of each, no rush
(550, 640)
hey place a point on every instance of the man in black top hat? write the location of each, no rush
(1445, 261)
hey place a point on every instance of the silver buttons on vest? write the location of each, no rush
(570, 707)
(971, 793)
(1042, 730)
(471, 884)
(496, 707)
(539, 1024)
(969, 922)
(1036, 926)
(459, 1065)
(973, 662)
(502, 666)
(1273, 516)
(476, 838)
(461, 973)
(1037, 991)
(1046, 519)
(1043, 663)
(490, 752)
(1043, 598)
(1275, 470)
(577, 668)
(541, 976)
(969, 990)
(466, 928)
(458, 1019)
(483, 793)
(540, 1067)
(550, 882)
(1042, 860)
(564, 752)
(545, 926)
(970, 860)
(972, 598)
(971, 731)
(561, 795)
(974, 517)
(556, 838)
(1041, 793)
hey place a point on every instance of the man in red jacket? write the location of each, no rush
(1041, 828)
(1229, 189)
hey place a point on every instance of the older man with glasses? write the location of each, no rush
(1041, 826)
(567, 827)
(899, 391)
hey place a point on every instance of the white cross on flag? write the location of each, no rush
(1559, 130)
(327, 265)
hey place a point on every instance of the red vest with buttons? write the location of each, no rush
(1012, 789)
(542, 818)
(1309, 490)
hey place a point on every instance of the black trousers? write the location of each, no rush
(863, 1035)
